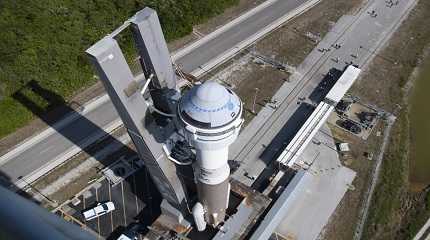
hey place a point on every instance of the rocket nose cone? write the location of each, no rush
(209, 105)
(211, 93)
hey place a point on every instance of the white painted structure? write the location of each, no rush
(343, 83)
(290, 157)
(211, 116)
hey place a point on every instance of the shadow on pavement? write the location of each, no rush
(48, 105)
(6, 182)
(294, 123)
(280, 142)
(286, 134)
(326, 84)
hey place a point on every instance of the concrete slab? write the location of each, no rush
(316, 196)
(321, 189)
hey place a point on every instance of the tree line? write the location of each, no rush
(44, 41)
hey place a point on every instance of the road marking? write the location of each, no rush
(72, 151)
(64, 214)
(188, 48)
(110, 199)
(422, 231)
(98, 218)
(32, 140)
(123, 203)
(233, 51)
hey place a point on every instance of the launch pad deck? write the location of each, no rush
(135, 198)
(245, 208)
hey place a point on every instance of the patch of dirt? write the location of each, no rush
(343, 221)
(261, 83)
(382, 85)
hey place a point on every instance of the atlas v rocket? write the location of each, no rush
(211, 116)
(207, 118)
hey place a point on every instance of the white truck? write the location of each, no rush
(99, 210)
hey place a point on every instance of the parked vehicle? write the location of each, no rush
(99, 210)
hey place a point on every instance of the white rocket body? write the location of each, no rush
(212, 117)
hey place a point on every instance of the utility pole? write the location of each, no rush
(255, 100)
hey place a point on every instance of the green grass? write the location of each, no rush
(392, 214)
(418, 218)
(44, 42)
(390, 189)
(13, 115)
(388, 218)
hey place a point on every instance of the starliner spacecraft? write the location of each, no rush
(172, 128)
(211, 116)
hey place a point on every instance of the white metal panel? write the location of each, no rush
(343, 84)
(295, 148)
(290, 155)
(307, 139)
(281, 206)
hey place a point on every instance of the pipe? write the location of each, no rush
(174, 160)
(161, 112)
(147, 83)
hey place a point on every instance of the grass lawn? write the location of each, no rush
(43, 43)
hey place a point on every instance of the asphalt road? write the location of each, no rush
(60, 141)
(233, 36)
(46, 149)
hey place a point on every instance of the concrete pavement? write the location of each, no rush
(61, 143)
(360, 36)
(314, 192)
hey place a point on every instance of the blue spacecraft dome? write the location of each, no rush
(209, 105)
